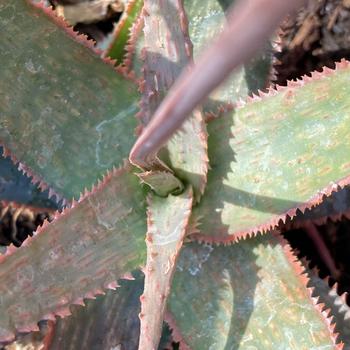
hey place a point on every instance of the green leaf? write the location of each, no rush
(276, 154)
(118, 46)
(84, 250)
(248, 295)
(162, 182)
(167, 220)
(64, 114)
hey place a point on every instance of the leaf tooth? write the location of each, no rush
(303, 275)
(99, 291)
(79, 301)
(32, 327)
(133, 33)
(63, 304)
(89, 295)
(176, 333)
(110, 61)
(294, 84)
(111, 285)
(27, 171)
(63, 312)
(273, 222)
(128, 276)
(81, 38)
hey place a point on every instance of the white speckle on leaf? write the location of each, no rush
(108, 131)
(118, 347)
(110, 216)
(195, 259)
(32, 68)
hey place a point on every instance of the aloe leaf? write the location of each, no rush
(167, 51)
(136, 42)
(206, 20)
(16, 187)
(258, 175)
(84, 250)
(248, 295)
(167, 221)
(118, 46)
(162, 182)
(333, 304)
(73, 112)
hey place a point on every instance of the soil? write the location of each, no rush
(318, 36)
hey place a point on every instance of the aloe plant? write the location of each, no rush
(67, 119)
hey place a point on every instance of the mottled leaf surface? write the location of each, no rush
(167, 220)
(80, 253)
(249, 295)
(165, 57)
(64, 113)
(277, 154)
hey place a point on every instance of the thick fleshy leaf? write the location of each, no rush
(16, 187)
(117, 48)
(64, 114)
(248, 295)
(258, 175)
(85, 249)
(167, 220)
(167, 51)
(206, 20)
(333, 303)
(162, 182)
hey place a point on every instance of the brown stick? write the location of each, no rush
(250, 23)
